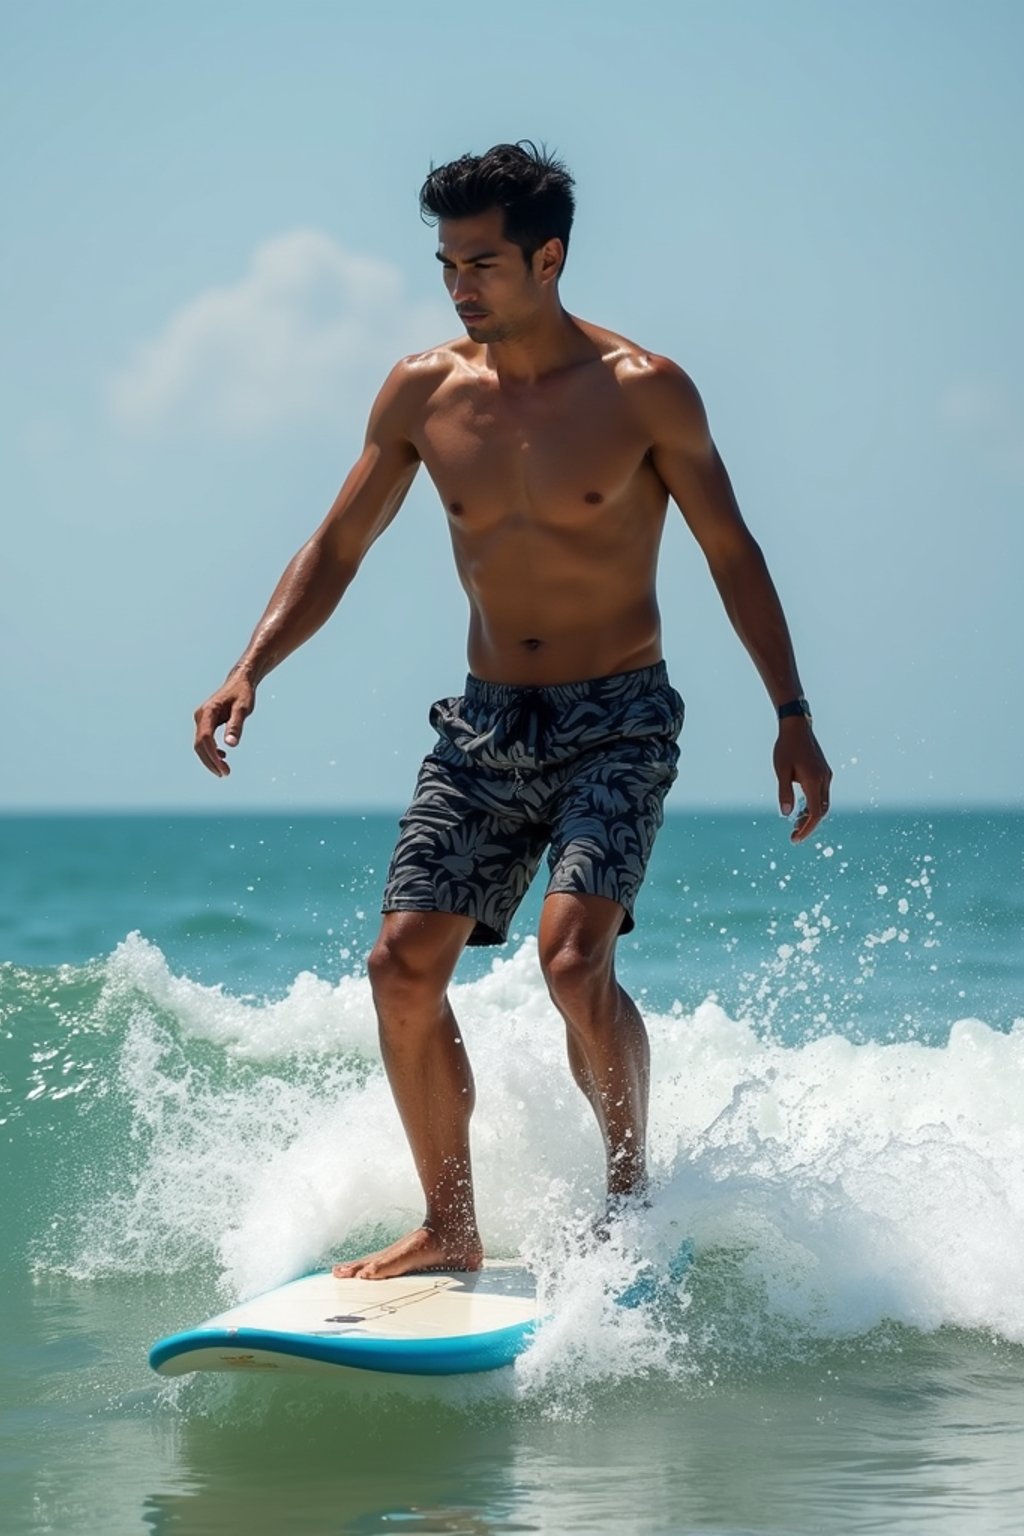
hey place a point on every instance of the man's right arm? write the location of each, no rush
(316, 578)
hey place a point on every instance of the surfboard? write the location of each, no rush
(429, 1324)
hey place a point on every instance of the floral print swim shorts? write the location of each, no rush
(581, 769)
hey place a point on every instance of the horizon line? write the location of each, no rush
(734, 808)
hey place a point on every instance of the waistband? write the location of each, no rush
(618, 686)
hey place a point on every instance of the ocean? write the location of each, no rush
(193, 1110)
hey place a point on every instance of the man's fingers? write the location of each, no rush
(813, 812)
(805, 825)
(241, 709)
(207, 750)
(211, 756)
(785, 797)
(233, 730)
(229, 707)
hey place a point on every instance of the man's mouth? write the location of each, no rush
(472, 314)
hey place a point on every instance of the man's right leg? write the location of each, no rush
(410, 968)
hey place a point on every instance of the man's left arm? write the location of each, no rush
(685, 457)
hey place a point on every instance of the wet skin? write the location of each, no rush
(555, 447)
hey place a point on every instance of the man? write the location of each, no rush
(554, 446)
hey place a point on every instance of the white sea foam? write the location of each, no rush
(827, 1187)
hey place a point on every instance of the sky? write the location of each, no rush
(212, 255)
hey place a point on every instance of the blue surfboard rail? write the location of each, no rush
(458, 1355)
(452, 1355)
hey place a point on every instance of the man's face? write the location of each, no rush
(491, 285)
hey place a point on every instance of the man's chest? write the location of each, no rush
(549, 447)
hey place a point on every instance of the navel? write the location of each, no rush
(533, 645)
(594, 498)
(456, 508)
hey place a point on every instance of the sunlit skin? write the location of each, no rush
(555, 447)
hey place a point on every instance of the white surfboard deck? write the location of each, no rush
(421, 1324)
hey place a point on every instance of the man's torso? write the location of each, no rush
(554, 508)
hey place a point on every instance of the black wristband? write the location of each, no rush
(795, 707)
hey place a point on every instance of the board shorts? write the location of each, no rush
(581, 769)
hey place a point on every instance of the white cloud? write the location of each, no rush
(308, 332)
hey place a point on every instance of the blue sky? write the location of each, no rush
(212, 254)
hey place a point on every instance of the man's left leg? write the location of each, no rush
(608, 1048)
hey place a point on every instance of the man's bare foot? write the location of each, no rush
(619, 1207)
(422, 1249)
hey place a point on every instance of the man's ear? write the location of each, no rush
(549, 260)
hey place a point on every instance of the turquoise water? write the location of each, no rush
(193, 1110)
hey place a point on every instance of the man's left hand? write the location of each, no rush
(799, 760)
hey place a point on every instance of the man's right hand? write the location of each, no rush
(230, 706)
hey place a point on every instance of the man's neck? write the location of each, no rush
(555, 341)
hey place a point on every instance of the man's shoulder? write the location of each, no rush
(654, 384)
(637, 368)
(414, 380)
(642, 371)
(423, 371)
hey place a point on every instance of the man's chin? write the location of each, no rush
(483, 330)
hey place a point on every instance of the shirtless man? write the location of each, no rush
(555, 446)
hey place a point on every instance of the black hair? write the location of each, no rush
(531, 187)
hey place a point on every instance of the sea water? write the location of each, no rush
(193, 1110)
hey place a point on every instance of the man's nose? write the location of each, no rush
(464, 287)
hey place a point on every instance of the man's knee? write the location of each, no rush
(578, 973)
(400, 971)
(414, 957)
